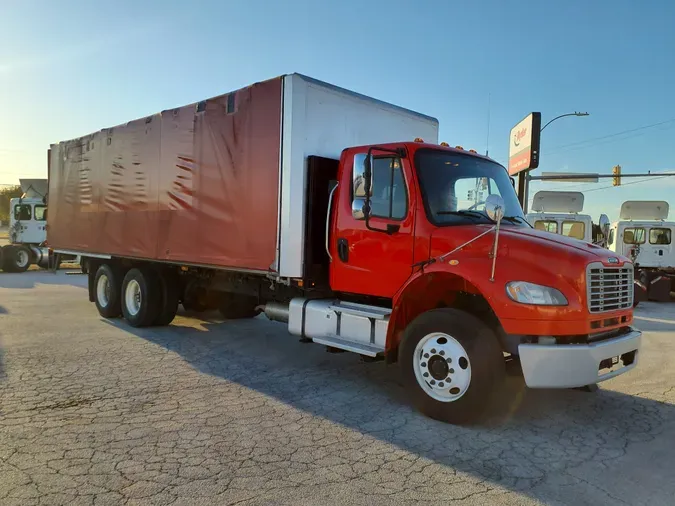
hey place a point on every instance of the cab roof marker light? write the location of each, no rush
(459, 147)
(445, 144)
(473, 151)
(419, 139)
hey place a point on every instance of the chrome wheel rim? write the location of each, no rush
(442, 367)
(132, 297)
(22, 259)
(103, 290)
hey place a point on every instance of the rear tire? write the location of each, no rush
(141, 297)
(452, 365)
(169, 295)
(233, 306)
(106, 291)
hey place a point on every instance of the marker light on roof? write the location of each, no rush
(445, 144)
(459, 147)
(419, 139)
(473, 151)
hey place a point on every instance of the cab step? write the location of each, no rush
(374, 312)
(343, 344)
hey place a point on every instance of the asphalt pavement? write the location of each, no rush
(239, 412)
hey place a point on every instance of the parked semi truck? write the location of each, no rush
(327, 210)
(28, 232)
(643, 234)
(27, 228)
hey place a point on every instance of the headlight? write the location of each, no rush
(529, 293)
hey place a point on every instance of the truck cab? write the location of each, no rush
(27, 221)
(559, 213)
(644, 235)
(27, 228)
(411, 229)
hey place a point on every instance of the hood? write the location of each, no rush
(525, 244)
(541, 237)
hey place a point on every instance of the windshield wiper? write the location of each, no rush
(464, 212)
(516, 219)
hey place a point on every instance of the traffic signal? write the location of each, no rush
(616, 180)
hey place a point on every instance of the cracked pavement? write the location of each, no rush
(210, 412)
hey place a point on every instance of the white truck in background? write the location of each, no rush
(559, 213)
(643, 234)
(27, 229)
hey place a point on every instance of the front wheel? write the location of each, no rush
(16, 258)
(452, 365)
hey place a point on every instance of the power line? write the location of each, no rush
(580, 144)
(626, 184)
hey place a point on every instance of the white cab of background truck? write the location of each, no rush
(558, 213)
(642, 233)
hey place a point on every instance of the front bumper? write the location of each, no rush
(577, 365)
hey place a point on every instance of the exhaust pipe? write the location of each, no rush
(275, 311)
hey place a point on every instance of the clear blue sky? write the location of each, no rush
(76, 67)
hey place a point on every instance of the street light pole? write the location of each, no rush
(524, 184)
(562, 116)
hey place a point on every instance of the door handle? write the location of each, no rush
(343, 250)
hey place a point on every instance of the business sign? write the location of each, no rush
(524, 144)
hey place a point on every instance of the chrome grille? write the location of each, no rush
(609, 288)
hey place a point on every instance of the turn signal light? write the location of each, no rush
(419, 139)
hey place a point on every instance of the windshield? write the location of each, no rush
(455, 187)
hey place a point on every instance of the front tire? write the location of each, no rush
(452, 365)
(107, 286)
(141, 297)
(16, 258)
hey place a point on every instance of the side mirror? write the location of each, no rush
(604, 224)
(359, 209)
(494, 207)
(362, 164)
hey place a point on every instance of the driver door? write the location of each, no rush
(375, 262)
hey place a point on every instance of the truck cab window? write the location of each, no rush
(40, 213)
(546, 226)
(576, 229)
(660, 236)
(22, 212)
(455, 186)
(390, 199)
(634, 236)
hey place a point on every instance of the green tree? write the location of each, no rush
(7, 193)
